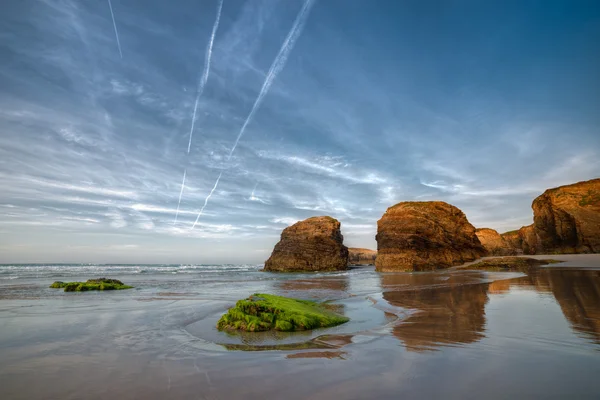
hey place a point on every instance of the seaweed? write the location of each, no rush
(91, 284)
(263, 312)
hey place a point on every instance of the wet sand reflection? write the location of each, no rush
(447, 312)
(577, 293)
(450, 309)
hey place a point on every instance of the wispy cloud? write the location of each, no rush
(93, 145)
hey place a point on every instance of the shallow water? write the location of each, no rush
(456, 334)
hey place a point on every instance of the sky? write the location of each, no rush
(299, 108)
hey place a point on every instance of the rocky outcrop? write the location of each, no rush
(358, 256)
(493, 242)
(513, 241)
(528, 239)
(315, 244)
(566, 219)
(521, 241)
(418, 236)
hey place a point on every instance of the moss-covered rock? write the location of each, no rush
(263, 312)
(91, 284)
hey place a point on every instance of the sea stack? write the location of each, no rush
(421, 236)
(494, 243)
(566, 219)
(315, 244)
(359, 256)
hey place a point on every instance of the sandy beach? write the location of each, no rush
(449, 333)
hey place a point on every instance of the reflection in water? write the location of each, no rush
(326, 284)
(576, 291)
(450, 311)
(450, 308)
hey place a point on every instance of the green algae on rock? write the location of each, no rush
(91, 284)
(263, 312)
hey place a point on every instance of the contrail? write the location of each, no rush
(115, 25)
(275, 69)
(204, 77)
(180, 194)
(201, 84)
(206, 200)
(277, 65)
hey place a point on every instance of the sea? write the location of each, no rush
(456, 334)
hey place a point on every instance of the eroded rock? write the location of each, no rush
(418, 236)
(359, 256)
(315, 244)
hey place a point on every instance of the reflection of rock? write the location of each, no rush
(499, 287)
(337, 284)
(418, 236)
(493, 242)
(315, 244)
(449, 313)
(358, 256)
(578, 294)
(318, 354)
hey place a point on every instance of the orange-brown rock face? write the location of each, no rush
(493, 242)
(419, 236)
(513, 241)
(529, 240)
(522, 241)
(315, 244)
(567, 218)
(358, 256)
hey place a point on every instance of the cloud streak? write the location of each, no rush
(207, 199)
(205, 72)
(180, 194)
(112, 14)
(200, 90)
(276, 67)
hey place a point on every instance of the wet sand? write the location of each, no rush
(452, 334)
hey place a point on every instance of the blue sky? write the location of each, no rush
(367, 103)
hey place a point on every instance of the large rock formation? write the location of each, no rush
(315, 244)
(493, 242)
(358, 256)
(521, 241)
(566, 219)
(418, 236)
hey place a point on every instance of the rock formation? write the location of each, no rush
(521, 241)
(418, 236)
(493, 242)
(315, 244)
(358, 256)
(566, 219)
